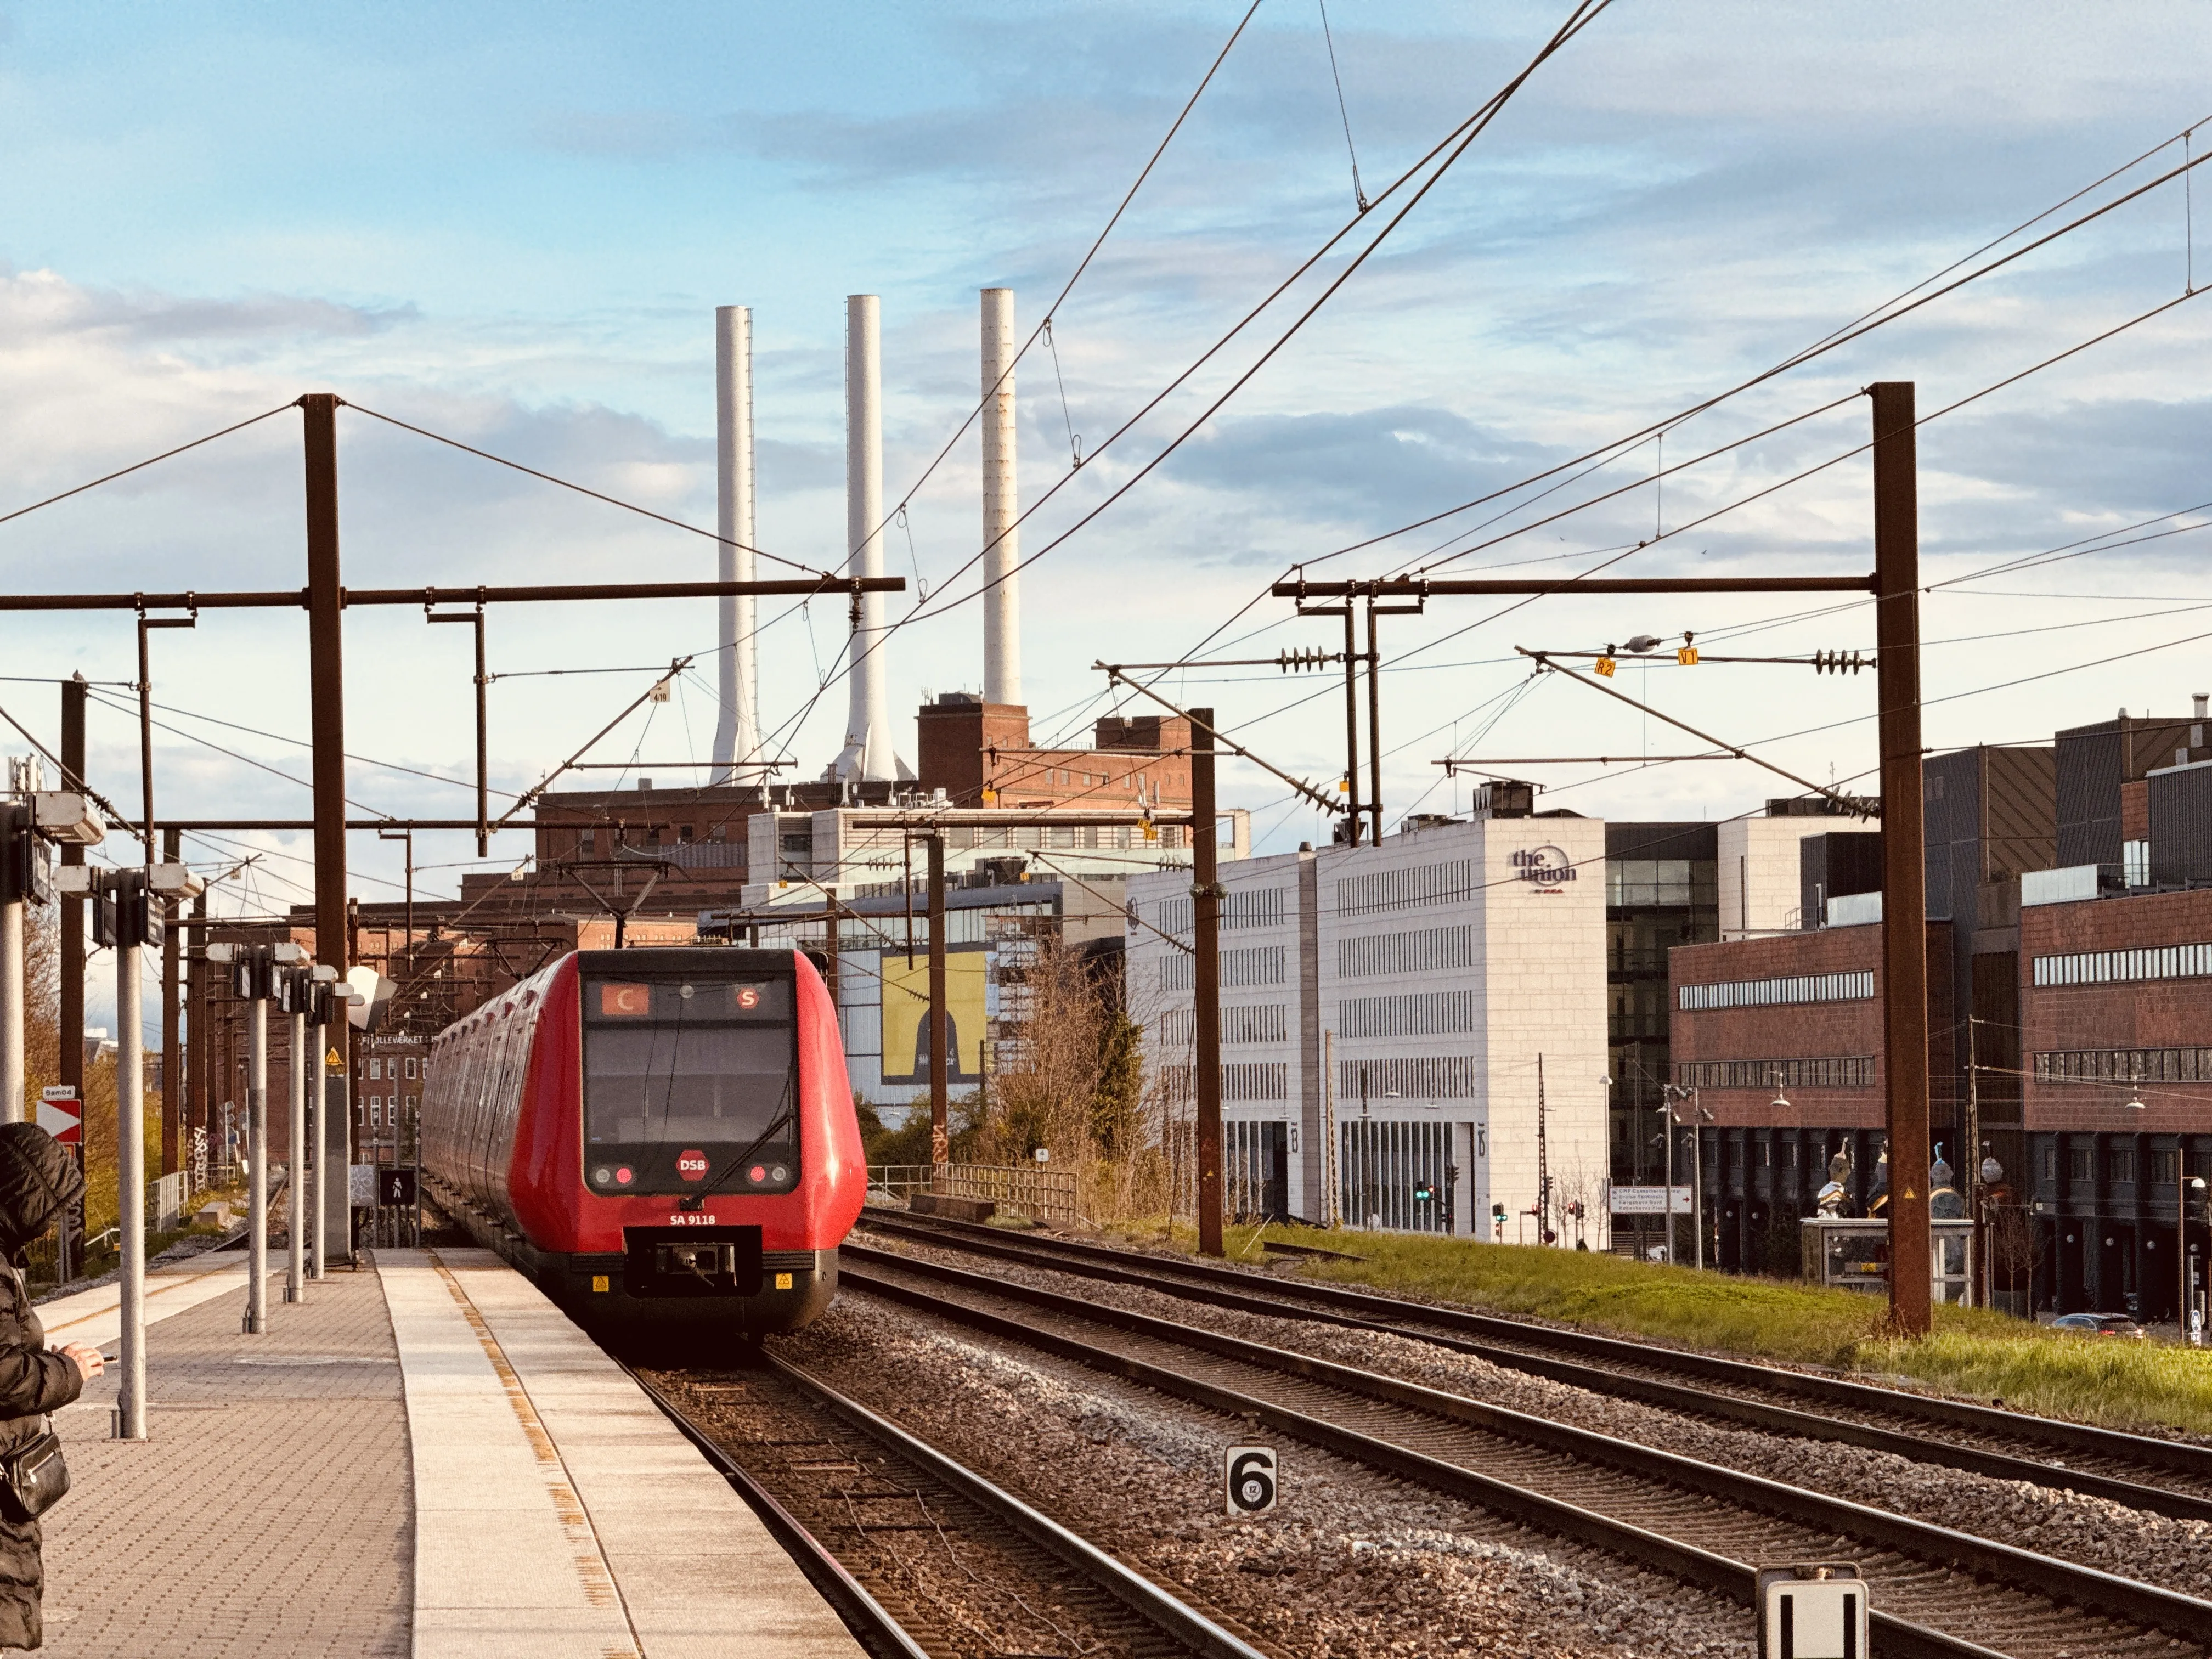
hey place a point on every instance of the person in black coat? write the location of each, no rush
(37, 1181)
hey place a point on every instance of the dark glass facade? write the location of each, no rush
(1662, 890)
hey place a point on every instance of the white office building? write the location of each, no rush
(1386, 1012)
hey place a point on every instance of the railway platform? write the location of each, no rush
(425, 1457)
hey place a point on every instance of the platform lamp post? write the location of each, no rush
(322, 1008)
(296, 995)
(254, 973)
(128, 909)
(1675, 1094)
(2192, 1202)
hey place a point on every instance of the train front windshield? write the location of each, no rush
(690, 1086)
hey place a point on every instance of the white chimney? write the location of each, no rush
(2203, 700)
(736, 733)
(1002, 505)
(868, 754)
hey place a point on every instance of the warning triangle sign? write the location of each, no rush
(332, 1060)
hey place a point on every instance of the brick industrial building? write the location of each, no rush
(2069, 894)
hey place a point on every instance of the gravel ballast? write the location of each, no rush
(2092, 1531)
(1350, 1563)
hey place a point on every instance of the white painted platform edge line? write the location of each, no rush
(495, 1350)
(414, 1475)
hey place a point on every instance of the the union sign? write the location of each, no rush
(1545, 867)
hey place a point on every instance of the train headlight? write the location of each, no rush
(624, 1176)
(778, 1173)
(757, 1175)
(603, 1174)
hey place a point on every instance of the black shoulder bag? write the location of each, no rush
(34, 1477)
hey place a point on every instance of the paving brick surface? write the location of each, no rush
(271, 1512)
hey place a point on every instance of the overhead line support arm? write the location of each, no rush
(1543, 660)
(1427, 587)
(1204, 724)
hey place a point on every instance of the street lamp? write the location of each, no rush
(1675, 1094)
(2189, 1195)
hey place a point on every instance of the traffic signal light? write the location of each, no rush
(137, 911)
(26, 863)
(1424, 1192)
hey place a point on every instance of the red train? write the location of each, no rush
(661, 1139)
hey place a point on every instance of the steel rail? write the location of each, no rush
(871, 1625)
(2180, 1456)
(1701, 1568)
(2144, 1605)
(1181, 1621)
(1670, 1396)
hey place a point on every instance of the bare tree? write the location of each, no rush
(1071, 1074)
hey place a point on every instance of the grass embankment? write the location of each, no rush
(1972, 1352)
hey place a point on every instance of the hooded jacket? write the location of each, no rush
(37, 1181)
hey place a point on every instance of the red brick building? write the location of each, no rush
(2116, 1040)
(1781, 1035)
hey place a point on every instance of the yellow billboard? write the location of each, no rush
(906, 1015)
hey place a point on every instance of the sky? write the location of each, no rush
(511, 226)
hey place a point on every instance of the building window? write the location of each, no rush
(587, 841)
(1251, 907)
(2119, 1165)
(2049, 1166)
(2162, 1166)
(1844, 1072)
(1411, 1076)
(2125, 967)
(1244, 1080)
(1259, 1023)
(1259, 965)
(2077, 1164)
(410, 1068)
(1416, 1013)
(1650, 882)
(1424, 950)
(2124, 1065)
(1401, 890)
(1770, 993)
(375, 1070)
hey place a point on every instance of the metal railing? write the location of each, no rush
(1041, 1195)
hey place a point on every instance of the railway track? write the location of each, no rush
(1937, 1590)
(2162, 1477)
(923, 1558)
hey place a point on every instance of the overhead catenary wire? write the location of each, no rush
(138, 466)
(1596, 459)
(1345, 113)
(1795, 477)
(1853, 331)
(1083, 264)
(828, 576)
(1449, 150)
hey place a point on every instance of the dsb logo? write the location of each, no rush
(691, 1165)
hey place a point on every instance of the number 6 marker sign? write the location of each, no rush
(1250, 1474)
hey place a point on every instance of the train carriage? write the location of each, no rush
(662, 1140)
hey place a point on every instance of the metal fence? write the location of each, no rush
(1040, 1193)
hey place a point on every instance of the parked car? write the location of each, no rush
(2099, 1324)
